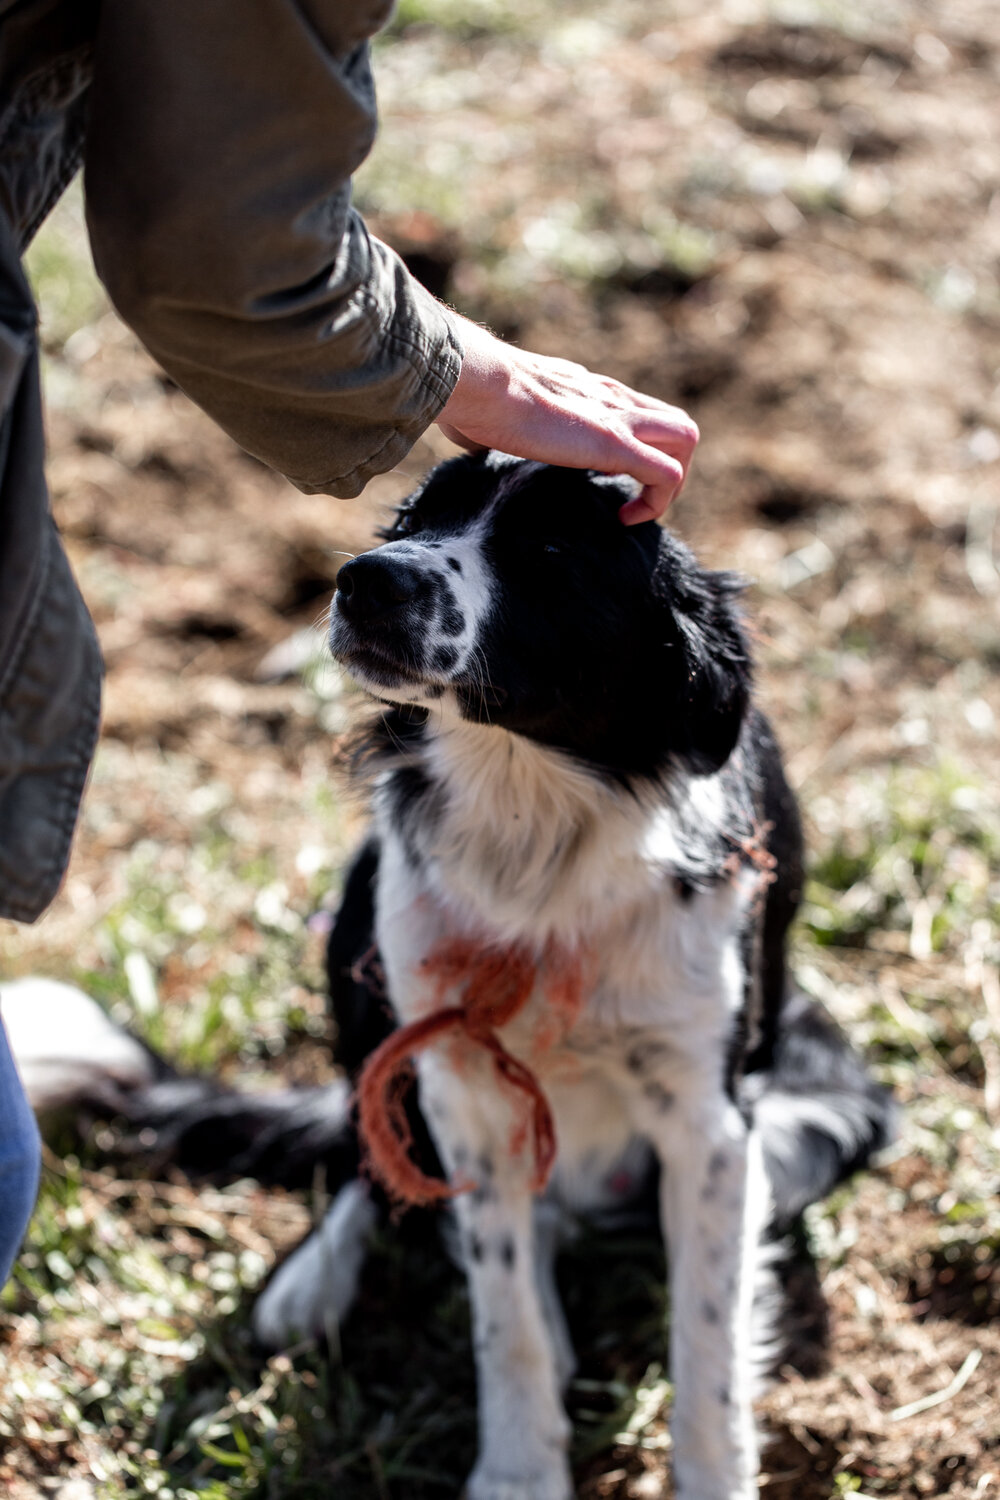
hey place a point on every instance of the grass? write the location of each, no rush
(195, 1410)
(61, 274)
(136, 1295)
(916, 851)
(911, 867)
(254, 990)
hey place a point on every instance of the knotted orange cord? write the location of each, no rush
(495, 984)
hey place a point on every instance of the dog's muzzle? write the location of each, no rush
(371, 587)
(385, 622)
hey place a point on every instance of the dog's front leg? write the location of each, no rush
(714, 1202)
(523, 1429)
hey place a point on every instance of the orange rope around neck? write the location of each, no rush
(494, 985)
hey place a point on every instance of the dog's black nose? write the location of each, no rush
(373, 584)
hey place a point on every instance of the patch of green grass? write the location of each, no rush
(373, 1424)
(209, 961)
(390, 184)
(917, 851)
(845, 1483)
(61, 273)
(143, 1305)
(465, 18)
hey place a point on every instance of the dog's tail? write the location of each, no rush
(71, 1056)
(820, 1115)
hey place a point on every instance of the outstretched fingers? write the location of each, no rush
(661, 459)
(562, 413)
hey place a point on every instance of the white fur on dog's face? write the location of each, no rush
(414, 655)
(510, 594)
(429, 614)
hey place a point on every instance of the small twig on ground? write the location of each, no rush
(982, 970)
(865, 1389)
(969, 1367)
(980, 561)
(989, 1051)
(802, 1435)
(378, 1473)
(910, 1021)
(925, 909)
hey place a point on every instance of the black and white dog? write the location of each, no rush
(568, 768)
(571, 764)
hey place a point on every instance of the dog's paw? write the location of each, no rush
(550, 1483)
(314, 1288)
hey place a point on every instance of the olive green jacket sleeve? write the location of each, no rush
(220, 147)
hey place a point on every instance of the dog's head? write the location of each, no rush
(509, 592)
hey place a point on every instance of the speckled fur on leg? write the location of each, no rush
(715, 1205)
(523, 1429)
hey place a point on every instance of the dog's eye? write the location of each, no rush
(407, 523)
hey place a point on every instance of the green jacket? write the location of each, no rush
(218, 139)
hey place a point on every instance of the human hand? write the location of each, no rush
(562, 413)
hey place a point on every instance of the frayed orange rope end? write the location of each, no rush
(385, 1130)
(495, 985)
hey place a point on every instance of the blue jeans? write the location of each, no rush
(20, 1159)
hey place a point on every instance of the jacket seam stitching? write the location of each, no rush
(31, 615)
(31, 90)
(438, 389)
(71, 783)
(425, 351)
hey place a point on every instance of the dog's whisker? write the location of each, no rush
(477, 659)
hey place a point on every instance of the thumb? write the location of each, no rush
(460, 440)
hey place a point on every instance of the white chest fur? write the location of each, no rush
(516, 847)
(523, 847)
(529, 851)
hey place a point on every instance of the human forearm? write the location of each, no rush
(219, 160)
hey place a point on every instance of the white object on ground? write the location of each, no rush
(62, 1041)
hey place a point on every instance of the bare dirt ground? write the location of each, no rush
(787, 219)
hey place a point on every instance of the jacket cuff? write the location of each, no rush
(424, 337)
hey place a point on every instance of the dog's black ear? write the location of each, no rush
(711, 666)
